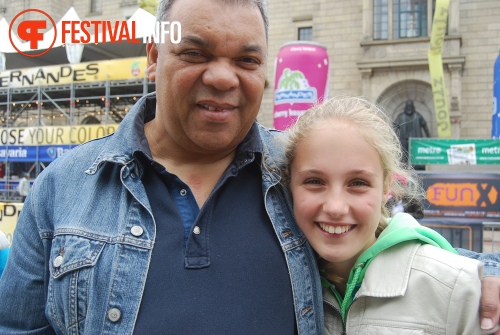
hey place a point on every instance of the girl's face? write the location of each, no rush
(337, 184)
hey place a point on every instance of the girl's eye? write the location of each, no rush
(359, 182)
(313, 181)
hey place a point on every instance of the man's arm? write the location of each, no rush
(490, 295)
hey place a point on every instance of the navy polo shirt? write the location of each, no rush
(218, 269)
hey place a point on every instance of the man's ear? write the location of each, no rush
(152, 57)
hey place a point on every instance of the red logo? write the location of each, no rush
(29, 30)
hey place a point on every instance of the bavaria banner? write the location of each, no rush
(44, 144)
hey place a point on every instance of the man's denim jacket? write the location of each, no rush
(83, 242)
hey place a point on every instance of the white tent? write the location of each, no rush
(5, 45)
(144, 26)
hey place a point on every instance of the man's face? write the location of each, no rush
(209, 87)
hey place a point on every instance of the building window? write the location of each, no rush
(380, 19)
(305, 34)
(95, 6)
(395, 19)
(410, 18)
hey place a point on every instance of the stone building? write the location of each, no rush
(378, 49)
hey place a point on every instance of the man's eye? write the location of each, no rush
(193, 56)
(249, 62)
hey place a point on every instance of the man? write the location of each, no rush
(177, 223)
(24, 186)
(410, 124)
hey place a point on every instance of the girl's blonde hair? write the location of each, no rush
(376, 128)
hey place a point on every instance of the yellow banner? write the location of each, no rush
(9, 213)
(117, 69)
(436, 68)
(52, 135)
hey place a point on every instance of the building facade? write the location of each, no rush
(378, 49)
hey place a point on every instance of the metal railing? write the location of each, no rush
(491, 236)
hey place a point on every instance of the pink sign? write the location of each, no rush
(301, 81)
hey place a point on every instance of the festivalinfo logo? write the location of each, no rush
(31, 32)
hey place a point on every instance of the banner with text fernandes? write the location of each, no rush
(436, 68)
(116, 69)
(454, 151)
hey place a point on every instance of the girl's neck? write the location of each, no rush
(336, 273)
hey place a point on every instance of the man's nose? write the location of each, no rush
(221, 74)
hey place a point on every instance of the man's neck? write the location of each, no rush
(200, 175)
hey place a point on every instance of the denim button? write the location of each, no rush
(58, 261)
(137, 231)
(183, 192)
(197, 230)
(114, 314)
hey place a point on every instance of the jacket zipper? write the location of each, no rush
(344, 330)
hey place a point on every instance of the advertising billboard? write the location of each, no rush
(301, 81)
(462, 195)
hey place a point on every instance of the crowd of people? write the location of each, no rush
(193, 218)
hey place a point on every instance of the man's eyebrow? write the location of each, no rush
(202, 42)
(196, 40)
(253, 48)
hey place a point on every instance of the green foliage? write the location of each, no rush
(148, 5)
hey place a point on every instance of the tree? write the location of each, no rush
(148, 5)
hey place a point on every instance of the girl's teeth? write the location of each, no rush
(334, 230)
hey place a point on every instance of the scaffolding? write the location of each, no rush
(85, 103)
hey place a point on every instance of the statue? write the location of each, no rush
(410, 124)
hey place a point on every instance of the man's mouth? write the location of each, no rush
(211, 108)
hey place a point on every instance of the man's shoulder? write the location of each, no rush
(80, 157)
(273, 140)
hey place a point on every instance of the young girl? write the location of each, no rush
(380, 275)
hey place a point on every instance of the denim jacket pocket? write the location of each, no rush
(73, 259)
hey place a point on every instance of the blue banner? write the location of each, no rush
(495, 124)
(32, 153)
